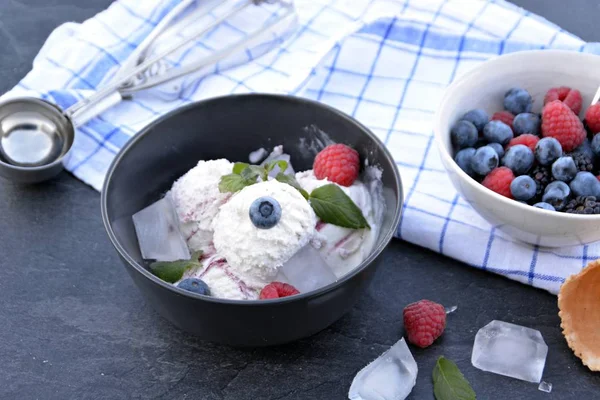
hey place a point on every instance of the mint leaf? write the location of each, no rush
(172, 271)
(272, 164)
(251, 172)
(233, 183)
(449, 383)
(334, 206)
(290, 180)
(237, 181)
(238, 167)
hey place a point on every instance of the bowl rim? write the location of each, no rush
(440, 132)
(277, 97)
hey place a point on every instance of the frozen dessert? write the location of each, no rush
(263, 231)
(254, 253)
(197, 200)
(344, 248)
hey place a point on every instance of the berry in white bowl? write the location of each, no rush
(534, 99)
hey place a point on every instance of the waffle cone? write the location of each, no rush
(579, 305)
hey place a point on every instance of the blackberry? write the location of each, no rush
(542, 177)
(584, 162)
(583, 205)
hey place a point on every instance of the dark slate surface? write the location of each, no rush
(73, 326)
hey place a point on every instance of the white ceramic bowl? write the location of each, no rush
(484, 87)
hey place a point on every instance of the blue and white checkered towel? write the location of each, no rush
(384, 62)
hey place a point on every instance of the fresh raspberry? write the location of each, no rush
(527, 139)
(504, 116)
(424, 321)
(592, 118)
(559, 122)
(338, 163)
(275, 290)
(499, 181)
(571, 97)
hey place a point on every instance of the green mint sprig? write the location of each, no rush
(330, 203)
(449, 383)
(172, 271)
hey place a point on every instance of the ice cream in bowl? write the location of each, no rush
(252, 219)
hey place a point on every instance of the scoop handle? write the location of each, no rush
(82, 115)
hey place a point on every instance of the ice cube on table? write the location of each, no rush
(157, 230)
(307, 270)
(545, 387)
(390, 377)
(510, 350)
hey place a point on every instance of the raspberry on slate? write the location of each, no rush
(504, 116)
(275, 290)
(526, 139)
(571, 97)
(338, 163)
(592, 118)
(559, 122)
(499, 181)
(424, 322)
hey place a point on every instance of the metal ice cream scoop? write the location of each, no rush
(36, 135)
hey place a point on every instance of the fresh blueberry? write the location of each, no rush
(585, 184)
(526, 123)
(477, 117)
(497, 132)
(596, 145)
(484, 160)
(194, 285)
(519, 159)
(544, 206)
(564, 169)
(548, 150)
(556, 194)
(463, 159)
(517, 101)
(265, 212)
(463, 134)
(523, 187)
(499, 149)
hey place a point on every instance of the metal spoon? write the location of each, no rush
(36, 136)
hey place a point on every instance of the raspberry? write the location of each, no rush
(592, 118)
(503, 116)
(275, 290)
(559, 122)
(571, 97)
(338, 163)
(424, 321)
(499, 181)
(527, 139)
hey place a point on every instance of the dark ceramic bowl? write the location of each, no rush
(232, 127)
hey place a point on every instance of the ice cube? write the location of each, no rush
(450, 310)
(307, 271)
(545, 387)
(257, 155)
(157, 230)
(511, 350)
(390, 377)
(278, 154)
